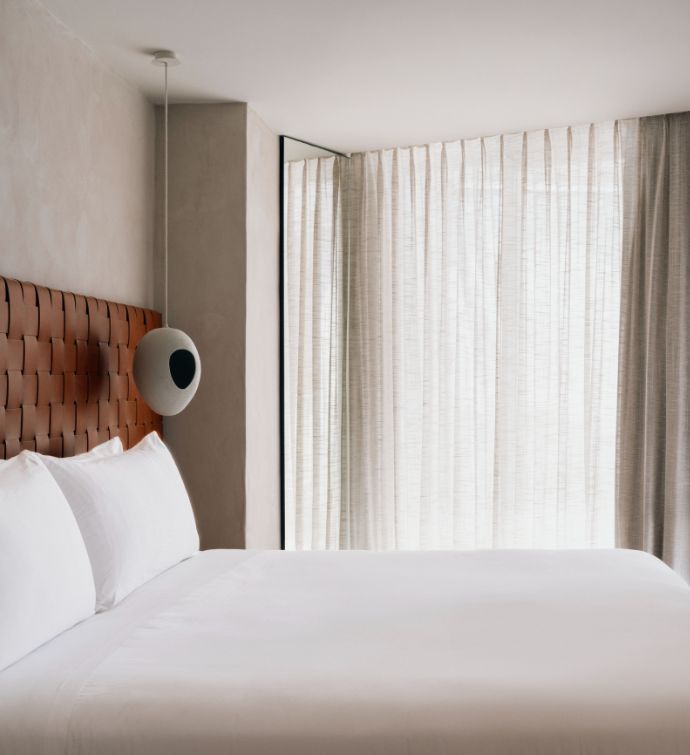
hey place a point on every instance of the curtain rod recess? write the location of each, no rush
(317, 146)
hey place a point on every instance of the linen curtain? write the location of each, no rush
(653, 506)
(458, 339)
(314, 351)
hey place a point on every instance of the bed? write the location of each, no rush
(306, 653)
(474, 653)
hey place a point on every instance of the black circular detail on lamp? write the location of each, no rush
(182, 367)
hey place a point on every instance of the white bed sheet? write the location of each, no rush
(475, 653)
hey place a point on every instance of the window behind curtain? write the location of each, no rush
(452, 343)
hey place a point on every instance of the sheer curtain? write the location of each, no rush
(473, 345)
(314, 351)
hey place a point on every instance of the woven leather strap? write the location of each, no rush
(66, 371)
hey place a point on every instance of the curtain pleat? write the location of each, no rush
(314, 352)
(653, 484)
(475, 337)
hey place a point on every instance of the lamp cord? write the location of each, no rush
(165, 200)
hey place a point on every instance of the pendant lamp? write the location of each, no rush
(167, 368)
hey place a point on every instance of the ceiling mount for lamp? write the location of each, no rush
(167, 368)
(165, 58)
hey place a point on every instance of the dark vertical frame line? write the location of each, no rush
(281, 307)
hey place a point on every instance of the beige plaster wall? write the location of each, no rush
(76, 164)
(262, 473)
(207, 266)
(77, 213)
(223, 291)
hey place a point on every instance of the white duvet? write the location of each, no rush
(268, 653)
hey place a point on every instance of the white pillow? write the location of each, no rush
(107, 448)
(46, 584)
(110, 447)
(134, 515)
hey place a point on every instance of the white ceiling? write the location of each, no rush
(364, 74)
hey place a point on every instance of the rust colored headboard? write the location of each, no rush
(66, 371)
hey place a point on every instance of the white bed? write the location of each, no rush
(267, 653)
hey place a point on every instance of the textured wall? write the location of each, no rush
(76, 213)
(262, 474)
(76, 164)
(224, 293)
(207, 299)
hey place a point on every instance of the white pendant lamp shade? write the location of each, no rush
(167, 368)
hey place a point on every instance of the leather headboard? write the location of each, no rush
(66, 371)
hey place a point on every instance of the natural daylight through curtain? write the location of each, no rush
(452, 316)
